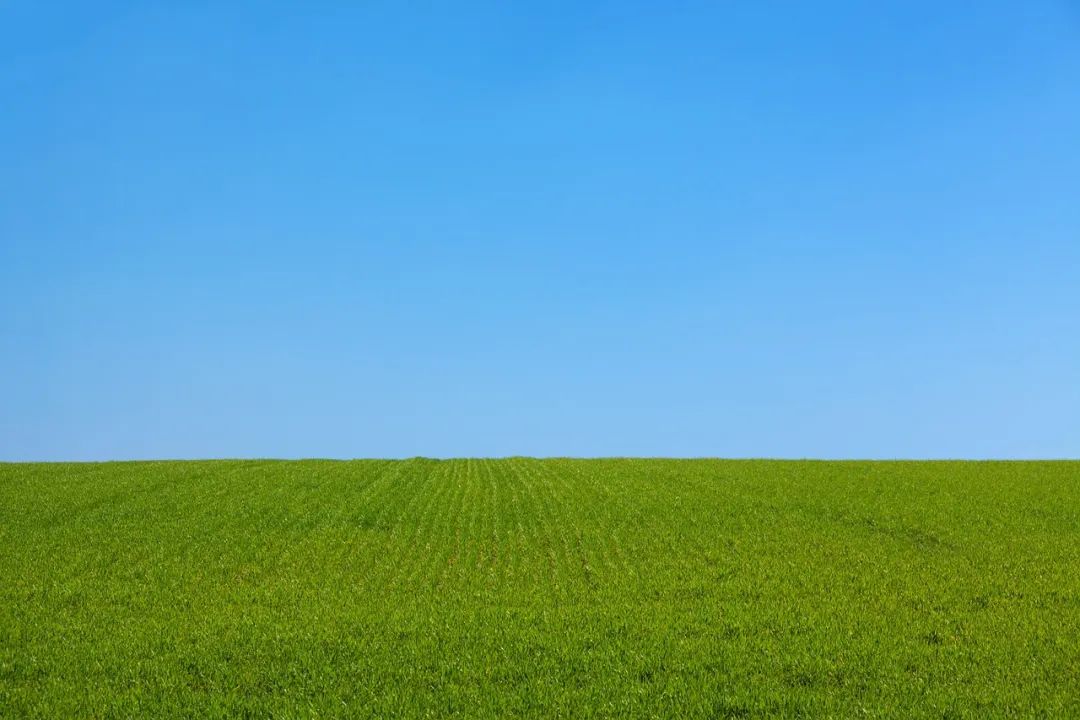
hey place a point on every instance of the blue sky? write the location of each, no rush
(830, 229)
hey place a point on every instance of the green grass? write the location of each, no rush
(555, 588)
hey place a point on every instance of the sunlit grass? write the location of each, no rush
(572, 588)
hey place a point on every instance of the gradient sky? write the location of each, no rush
(828, 229)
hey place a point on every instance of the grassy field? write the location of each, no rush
(553, 588)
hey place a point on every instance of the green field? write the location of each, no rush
(541, 588)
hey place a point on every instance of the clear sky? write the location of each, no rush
(827, 229)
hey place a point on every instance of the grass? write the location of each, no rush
(540, 588)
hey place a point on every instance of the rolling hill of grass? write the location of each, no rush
(541, 588)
